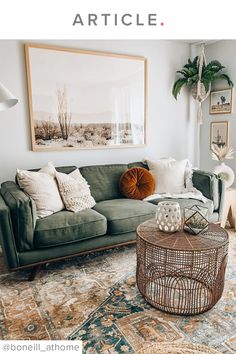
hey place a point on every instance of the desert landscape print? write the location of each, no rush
(221, 102)
(82, 100)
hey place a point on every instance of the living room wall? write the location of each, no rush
(167, 119)
(225, 52)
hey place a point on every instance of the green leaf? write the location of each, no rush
(184, 72)
(224, 77)
(195, 61)
(177, 87)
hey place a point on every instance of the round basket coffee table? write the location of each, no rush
(181, 273)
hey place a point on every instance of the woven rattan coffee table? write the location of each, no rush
(181, 273)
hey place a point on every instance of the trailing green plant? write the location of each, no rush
(190, 75)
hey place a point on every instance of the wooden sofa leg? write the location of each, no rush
(34, 272)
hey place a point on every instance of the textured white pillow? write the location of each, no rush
(42, 187)
(74, 191)
(169, 175)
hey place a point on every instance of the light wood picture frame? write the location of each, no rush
(221, 101)
(219, 134)
(81, 99)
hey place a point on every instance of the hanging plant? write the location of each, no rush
(199, 76)
(190, 76)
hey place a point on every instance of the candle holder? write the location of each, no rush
(168, 216)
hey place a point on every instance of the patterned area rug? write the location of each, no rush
(177, 348)
(95, 298)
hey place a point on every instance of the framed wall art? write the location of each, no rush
(84, 99)
(221, 101)
(219, 134)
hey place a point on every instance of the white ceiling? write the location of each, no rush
(200, 41)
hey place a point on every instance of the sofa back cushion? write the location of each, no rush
(62, 169)
(104, 180)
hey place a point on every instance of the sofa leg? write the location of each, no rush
(34, 272)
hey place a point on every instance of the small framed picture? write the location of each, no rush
(221, 101)
(219, 134)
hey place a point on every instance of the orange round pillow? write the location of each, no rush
(137, 183)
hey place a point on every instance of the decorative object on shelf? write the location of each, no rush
(195, 219)
(198, 77)
(168, 216)
(221, 153)
(90, 100)
(221, 101)
(7, 99)
(219, 134)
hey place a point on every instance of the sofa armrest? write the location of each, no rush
(7, 239)
(222, 189)
(23, 214)
(208, 184)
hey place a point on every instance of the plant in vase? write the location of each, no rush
(196, 225)
(195, 219)
(190, 76)
(221, 153)
(199, 76)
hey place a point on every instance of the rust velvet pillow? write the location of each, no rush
(137, 183)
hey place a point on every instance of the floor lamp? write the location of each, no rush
(7, 99)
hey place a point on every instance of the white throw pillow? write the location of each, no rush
(49, 169)
(169, 175)
(74, 191)
(42, 187)
(189, 176)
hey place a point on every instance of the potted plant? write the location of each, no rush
(190, 77)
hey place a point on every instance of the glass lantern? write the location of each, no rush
(195, 219)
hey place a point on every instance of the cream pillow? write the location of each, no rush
(189, 176)
(49, 169)
(42, 187)
(169, 175)
(74, 191)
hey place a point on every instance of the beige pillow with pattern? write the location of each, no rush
(42, 188)
(74, 191)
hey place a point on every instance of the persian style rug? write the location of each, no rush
(95, 298)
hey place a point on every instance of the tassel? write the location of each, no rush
(199, 113)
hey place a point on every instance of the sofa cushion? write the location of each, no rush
(124, 215)
(104, 180)
(137, 183)
(67, 227)
(188, 203)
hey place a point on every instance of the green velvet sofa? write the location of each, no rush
(27, 241)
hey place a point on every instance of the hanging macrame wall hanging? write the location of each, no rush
(199, 92)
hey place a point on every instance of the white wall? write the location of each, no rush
(167, 119)
(225, 52)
